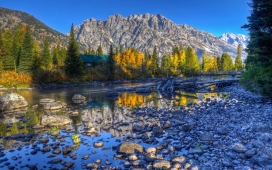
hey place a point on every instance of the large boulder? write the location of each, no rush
(129, 148)
(52, 106)
(12, 101)
(55, 120)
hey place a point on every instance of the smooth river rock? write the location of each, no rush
(55, 120)
(129, 148)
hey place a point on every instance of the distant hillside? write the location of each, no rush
(145, 31)
(12, 18)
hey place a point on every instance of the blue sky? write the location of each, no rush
(213, 16)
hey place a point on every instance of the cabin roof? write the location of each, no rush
(90, 58)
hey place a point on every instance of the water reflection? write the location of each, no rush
(99, 112)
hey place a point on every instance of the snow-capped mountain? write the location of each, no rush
(235, 39)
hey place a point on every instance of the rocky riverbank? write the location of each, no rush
(232, 133)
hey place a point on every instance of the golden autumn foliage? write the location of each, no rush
(11, 79)
(129, 64)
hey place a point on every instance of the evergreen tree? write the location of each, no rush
(154, 60)
(73, 63)
(218, 60)
(17, 43)
(99, 50)
(192, 64)
(238, 59)
(26, 58)
(258, 75)
(121, 49)
(116, 51)
(92, 51)
(165, 64)
(111, 63)
(46, 58)
(8, 59)
(205, 62)
(36, 57)
(226, 62)
(175, 50)
(2, 51)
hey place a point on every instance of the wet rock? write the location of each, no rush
(222, 130)
(44, 140)
(67, 150)
(157, 130)
(127, 164)
(195, 151)
(69, 164)
(238, 147)
(106, 127)
(161, 164)
(92, 166)
(85, 157)
(150, 157)
(98, 161)
(12, 101)
(74, 113)
(138, 163)
(98, 144)
(78, 97)
(132, 157)
(52, 106)
(151, 150)
(46, 149)
(226, 162)
(129, 148)
(55, 120)
(56, 151)
(250, 153)
(179, 159)
(138, 126)
(55, 161)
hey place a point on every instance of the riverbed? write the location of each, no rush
(188, 130)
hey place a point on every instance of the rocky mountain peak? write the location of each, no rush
(235, 39)
(144, 31)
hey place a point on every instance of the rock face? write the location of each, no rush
(146, 31)
(11, 102)
(129, 148)
(55, 120)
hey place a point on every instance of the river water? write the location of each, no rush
(97, 108)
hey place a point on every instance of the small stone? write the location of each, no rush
(98, 161)
(98, 144)
(250, 153)
(132, 157)
(151, 150)
(161, 164)
(238, 147)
